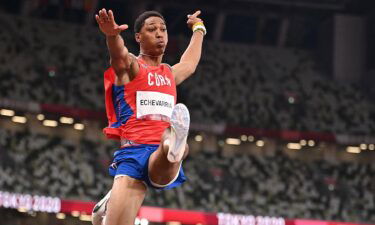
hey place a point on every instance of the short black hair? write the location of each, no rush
(140, 21)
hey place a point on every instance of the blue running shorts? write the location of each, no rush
(133, 162)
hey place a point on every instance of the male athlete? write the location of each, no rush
(140, 97)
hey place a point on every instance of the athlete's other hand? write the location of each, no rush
(107, 23)
(192, 19)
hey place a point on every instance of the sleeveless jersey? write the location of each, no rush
(140, 110)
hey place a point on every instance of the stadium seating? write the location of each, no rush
(52, 165)
(247, 184)
(273, 88)
(46, 62)
(249, 86)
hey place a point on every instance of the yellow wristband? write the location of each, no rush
(196, 24)
(200, 26)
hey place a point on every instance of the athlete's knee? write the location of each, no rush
(186, 153)
(165, 142)
(166, 134)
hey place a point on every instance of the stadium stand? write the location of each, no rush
(242, 183)
(247, 86)
(250, 86)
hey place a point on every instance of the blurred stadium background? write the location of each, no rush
(282, 106)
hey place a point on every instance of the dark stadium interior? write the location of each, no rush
(282, 107)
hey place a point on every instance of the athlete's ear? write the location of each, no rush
(137, 37)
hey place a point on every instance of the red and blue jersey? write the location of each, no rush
(139, 111)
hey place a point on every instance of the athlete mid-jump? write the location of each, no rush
(140, 94)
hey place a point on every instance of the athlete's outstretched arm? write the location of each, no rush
(121, 60)
(190, 59)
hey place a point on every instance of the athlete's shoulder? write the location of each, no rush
(109, 70)
(109, 73)
(109, 77)
(167, 66)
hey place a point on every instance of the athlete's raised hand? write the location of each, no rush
(192, 19)
(107, 23)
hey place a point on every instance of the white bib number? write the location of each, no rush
(154, 105)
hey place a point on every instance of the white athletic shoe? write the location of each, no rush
(180, 122)
(99, 210)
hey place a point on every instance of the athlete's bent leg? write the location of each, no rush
(165, 162)
(126, 198)
(161, 170)
(99, 210)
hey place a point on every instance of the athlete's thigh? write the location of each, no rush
(126, 198)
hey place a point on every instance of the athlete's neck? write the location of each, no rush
(151, 60)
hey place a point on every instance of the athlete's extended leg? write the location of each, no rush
(99, 210)
(165, 162)
(126, 198)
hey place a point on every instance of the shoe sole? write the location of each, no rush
(180, 122)
(99, 211)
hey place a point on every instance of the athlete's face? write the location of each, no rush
(153, 37)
